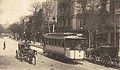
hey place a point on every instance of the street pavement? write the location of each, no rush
(9, 62)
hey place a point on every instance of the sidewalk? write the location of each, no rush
(37, 44)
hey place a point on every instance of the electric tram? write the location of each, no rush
(68, 45)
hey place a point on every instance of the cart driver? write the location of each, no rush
(27, 46)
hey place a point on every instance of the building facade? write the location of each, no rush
(50, 14)
(64, 15)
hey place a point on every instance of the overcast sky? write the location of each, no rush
(12, 10)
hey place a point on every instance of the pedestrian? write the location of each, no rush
(4, 45)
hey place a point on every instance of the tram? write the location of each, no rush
(68, 45)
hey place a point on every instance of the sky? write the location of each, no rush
(12, 10)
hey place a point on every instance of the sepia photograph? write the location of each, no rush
(59, 34)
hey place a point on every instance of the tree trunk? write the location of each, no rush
(89, 40)
(49, 27)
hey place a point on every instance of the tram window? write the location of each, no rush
(50, 42)
(55, 42)
(82, 41)
(62, 43)
(112, 39)
(67, 43)
(59, 43)
(47, 41)
(77, 42)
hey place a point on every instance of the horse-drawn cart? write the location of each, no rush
(24, 52)
(107, 55)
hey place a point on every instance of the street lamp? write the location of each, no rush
(38, 32)
(24, 32)
(81, 28)
(24, 35)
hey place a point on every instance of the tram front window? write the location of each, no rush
(75, 44)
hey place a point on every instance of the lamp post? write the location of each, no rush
(81, 28)
(53, 24)
(96, 35)
(24, 34)
(38, 32)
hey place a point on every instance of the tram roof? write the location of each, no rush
(60, 34)
(63, 36)
(74, 37)
(106, 46)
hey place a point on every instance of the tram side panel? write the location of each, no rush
(53, 47)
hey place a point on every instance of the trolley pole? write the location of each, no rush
(115, 28)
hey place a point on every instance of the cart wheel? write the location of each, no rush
(117, 63)
(16, 54)
(107, 60)
(94, 58)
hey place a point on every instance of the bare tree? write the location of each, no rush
(36, 19)
(49, 10)
(89, 10)
(35, 7)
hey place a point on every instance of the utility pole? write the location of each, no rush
(115, 23)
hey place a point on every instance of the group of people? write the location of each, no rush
(27, 51)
